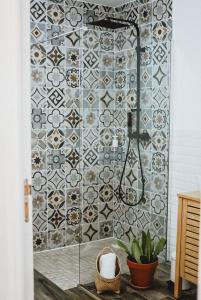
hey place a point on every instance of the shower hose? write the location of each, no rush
(122, 175)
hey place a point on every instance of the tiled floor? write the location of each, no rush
(44, 289)
(62, 267)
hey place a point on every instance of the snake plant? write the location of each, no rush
(143, 250)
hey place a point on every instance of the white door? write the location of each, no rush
(16, 268)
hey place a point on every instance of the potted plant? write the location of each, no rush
(142, 259)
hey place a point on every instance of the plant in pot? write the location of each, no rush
(142, 259)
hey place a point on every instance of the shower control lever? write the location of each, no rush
(141, 136)
(129, 123)
(129, 119)
(142, 49)
(135, 109)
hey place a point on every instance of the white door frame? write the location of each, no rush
(16, 267)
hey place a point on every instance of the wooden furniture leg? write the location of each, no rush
(178, 279)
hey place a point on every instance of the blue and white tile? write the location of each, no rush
(120, 41)
(56, 238)
(106, 41)
(90, 39)
(73, 178)
(56, 77)
(90, 99)
(55, 97)
(38, 118)
(145, 13)
(55, 13)
(56, 180)
(38, 76)
(38, 32)
(38, 139)
(55, 118)
(90, 79)
(90, 59)
(38, 55)
(90, 195)
(38, 97)
(38, 11)
(90, 176)
(106, 99)
(55, 35)
(55, 55)
(73, 16)
(73, 98)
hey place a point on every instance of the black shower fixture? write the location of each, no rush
(114, 23)
(108, 23)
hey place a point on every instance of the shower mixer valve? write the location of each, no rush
(136, 134)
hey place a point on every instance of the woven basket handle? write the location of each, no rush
(106, 250)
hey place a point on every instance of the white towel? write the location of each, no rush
(108, 265)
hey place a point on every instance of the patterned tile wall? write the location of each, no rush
(83, 84)
(154, 19)
(72, 102)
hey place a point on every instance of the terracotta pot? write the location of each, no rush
(142, 274)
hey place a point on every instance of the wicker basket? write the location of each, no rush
(104, 284)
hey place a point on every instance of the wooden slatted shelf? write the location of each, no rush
(193, 223)
(187, 240)
(192, 247)
(192, 253)
(193, 210)
(192, 228)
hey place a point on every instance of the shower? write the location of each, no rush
(99, 134)
(114, 23)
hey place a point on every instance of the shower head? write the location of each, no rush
(114, 23)
(108, 23)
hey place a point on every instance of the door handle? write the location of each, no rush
(27, 194)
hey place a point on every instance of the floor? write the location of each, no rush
(61, 266)
(59, 270)
(46, 290)
(161, 289)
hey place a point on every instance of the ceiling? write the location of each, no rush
(113, 3)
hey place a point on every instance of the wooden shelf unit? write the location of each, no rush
(188, 225)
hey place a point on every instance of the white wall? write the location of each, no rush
(185, 142)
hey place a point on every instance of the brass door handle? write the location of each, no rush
(27, 194)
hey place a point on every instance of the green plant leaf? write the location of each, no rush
(136, 251)
(144, 236)
(148, 246)
(132, 253)
(124, 247)
(152, 250)
(143, 250)
(159, 247)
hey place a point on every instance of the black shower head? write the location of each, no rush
(108, 23)
(114, 23)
